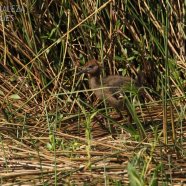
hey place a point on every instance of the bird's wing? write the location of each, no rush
(117, 81)
(118, 85)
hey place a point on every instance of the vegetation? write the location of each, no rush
(53, 130)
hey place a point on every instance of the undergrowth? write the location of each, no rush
(53, 129)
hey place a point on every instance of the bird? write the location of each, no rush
(109, 88)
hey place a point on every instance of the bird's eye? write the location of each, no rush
(90, 66)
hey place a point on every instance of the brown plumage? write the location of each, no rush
(107, 88)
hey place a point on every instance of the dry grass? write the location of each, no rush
(53, 131)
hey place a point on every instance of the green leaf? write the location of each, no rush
(49, 146)
(154, 179)
(134, 177)
(15, 96)
(2, 93)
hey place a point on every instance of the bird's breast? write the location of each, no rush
(97, 87)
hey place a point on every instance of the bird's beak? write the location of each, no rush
(82, 71)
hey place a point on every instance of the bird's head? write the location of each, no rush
(92, 68)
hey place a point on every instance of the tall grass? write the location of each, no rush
(54, 128)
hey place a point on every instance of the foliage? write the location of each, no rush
(47, 112)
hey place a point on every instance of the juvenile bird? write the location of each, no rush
(108, 88)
